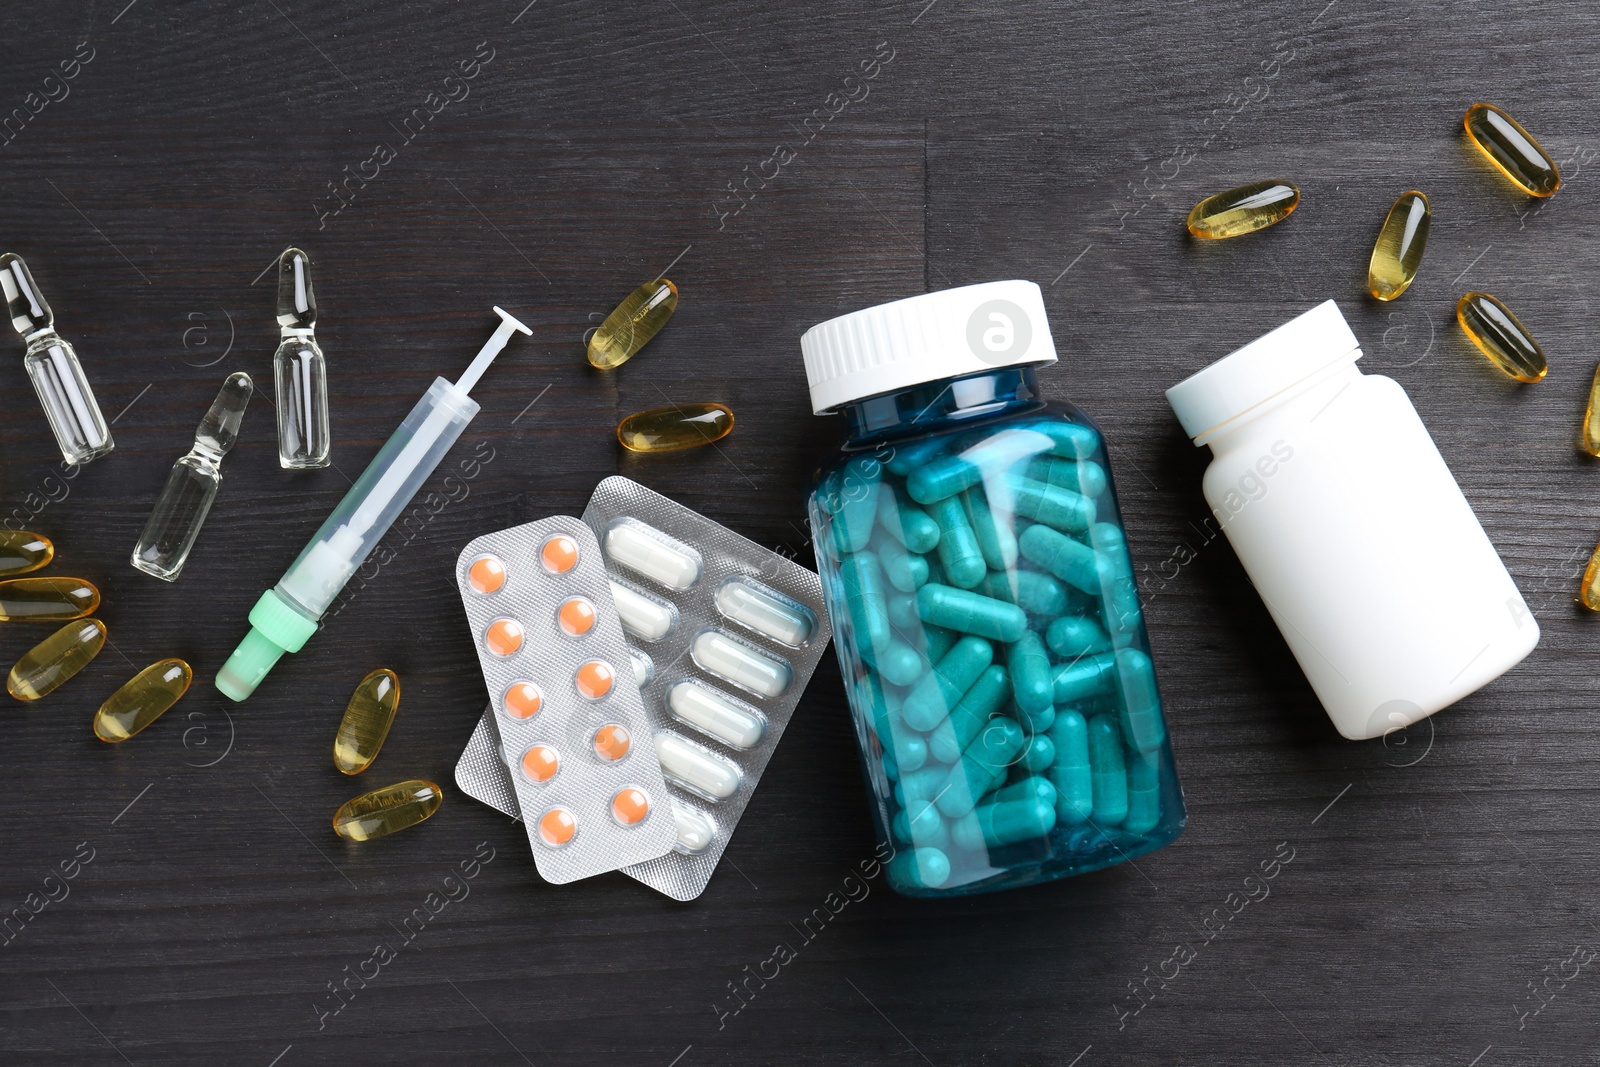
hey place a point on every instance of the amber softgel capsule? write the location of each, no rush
(47, 599)
(1498, 333)
(384, 811)
(366, 722)
(142, 700)
(674, 428)
(1243, 210)
(1512, 150)
(55, 659)
(22, 551)
(1397, 253)
(632, 324)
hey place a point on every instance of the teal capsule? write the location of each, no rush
(1063, 509)
(1085, 677)
(996, 540)
(1038, 755)
(1144, 795)
(904, 570)
(971, 613)
(941, 478)
(1107, 772)
(927, 829)
(1070, 637)
(981, 767)
(959, 553)
(1142, 723)
(1083, 476)
(1065, 557)
(855, 511)
(1034, 593)
(1031, 685)
(910, 750)
(1008, 821)
(943, 687)
(911, 455)
(982, 700)
(1119, 590)
(1071, 772)
(1068, 439)
(903, 611)
(919, 868)
(906, 523)
(865, 603)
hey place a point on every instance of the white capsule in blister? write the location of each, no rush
(643, 669)
(695, 830)
(696, 769)
(629, 546)
(716, 716)
(763, 612)
(741, 665)
(641, 616)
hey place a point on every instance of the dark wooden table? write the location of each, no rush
(1439, 906)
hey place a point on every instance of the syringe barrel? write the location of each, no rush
(378, 497)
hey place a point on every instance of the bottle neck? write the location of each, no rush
(921, 407)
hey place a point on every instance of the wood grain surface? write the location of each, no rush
(1429, 899)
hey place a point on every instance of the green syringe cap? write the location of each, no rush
(275, 628)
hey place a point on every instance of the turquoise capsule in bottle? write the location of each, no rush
(987, 619)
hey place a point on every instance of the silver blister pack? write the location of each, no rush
(733, 632)
(572, 732)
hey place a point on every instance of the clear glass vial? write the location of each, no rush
(191, 488)
(52, 365)
(1351, 527)
(299, 369)
(983, 601)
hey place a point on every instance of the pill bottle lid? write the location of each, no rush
(1262, 369)
(920, 339)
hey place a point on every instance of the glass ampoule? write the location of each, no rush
(299, 370)
(52, 364)
(191, 488)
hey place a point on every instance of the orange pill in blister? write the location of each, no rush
(576, 616)
(503, 637)
(559, 554)
(630, 806)
(556, 827)
(540, 763)
(523, 700)
(594, 679)
(611, 742)
(486, 575)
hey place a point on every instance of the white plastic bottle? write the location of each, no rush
(1351, 527)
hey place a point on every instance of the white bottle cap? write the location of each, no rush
(1262, 369)
(948, 334)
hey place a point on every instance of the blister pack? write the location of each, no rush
(733, 632)
(573, 735)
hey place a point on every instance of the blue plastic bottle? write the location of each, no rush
(984, 606)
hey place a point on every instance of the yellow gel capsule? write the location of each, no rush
(633, 323)
(383, 811)
(366, 722)
(46, 599)
(1401, 242)
(1512, 150)
(672, 429)
(21, 551)
(1499, 335)
(55, 659)
(142, 700)
(1591, 418)
(1243, 210)
(1589, 593)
